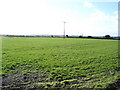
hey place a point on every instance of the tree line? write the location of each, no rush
(67, 36)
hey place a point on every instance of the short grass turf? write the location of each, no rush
(31, 62)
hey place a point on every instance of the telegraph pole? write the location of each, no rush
(64, 30)
(82, 34)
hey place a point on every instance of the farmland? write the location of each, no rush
(29, 62)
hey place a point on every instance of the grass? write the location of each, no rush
(54, 62)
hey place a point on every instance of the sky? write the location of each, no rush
(36, 17)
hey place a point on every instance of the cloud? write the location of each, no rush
(98, 15)
(88, 4)
(100, 22)
(40, 17)
(104, 0)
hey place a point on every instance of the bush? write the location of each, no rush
(107, 36)
(67, 36)
(89, 36)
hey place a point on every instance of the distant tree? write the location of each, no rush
(89, 36)
(107, 36)
(80, 36)
(67, 36)
(51, 35)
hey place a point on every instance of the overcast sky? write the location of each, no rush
(90, 17)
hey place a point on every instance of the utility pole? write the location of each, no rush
(64, 30)
(82, 34)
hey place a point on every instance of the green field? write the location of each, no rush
(57, 62)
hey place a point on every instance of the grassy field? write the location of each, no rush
(57, 62)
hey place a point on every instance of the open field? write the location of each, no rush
(57, 62)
